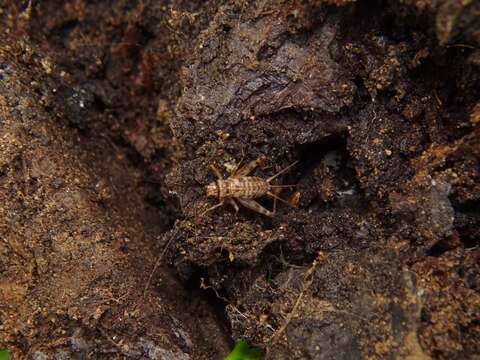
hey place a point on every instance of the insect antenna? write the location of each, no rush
(281, 171)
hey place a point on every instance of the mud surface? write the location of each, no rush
(111, 114)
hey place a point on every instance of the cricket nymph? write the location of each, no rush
(243, 188)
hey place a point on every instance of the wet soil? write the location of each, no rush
(111, 114)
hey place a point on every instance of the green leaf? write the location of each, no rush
(4, 355)
(242, 351)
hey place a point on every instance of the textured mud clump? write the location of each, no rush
(111, 116)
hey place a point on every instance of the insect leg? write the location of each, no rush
(255, 206)
(275, 197)
(232, 174)
(233, 204)
(216, 172)
(247, 169)
(213, 207)
(275, 191)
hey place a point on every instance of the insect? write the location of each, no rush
(244, 189)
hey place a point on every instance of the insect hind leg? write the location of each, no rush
(255, 206)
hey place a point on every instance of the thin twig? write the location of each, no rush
(159, 260)
(307, 282)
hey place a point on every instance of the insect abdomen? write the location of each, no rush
(243, 187)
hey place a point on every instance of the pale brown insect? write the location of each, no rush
(244, 189)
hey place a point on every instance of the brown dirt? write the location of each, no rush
(110, 115)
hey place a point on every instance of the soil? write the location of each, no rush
(113, 112)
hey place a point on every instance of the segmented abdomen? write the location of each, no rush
(243, 187)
